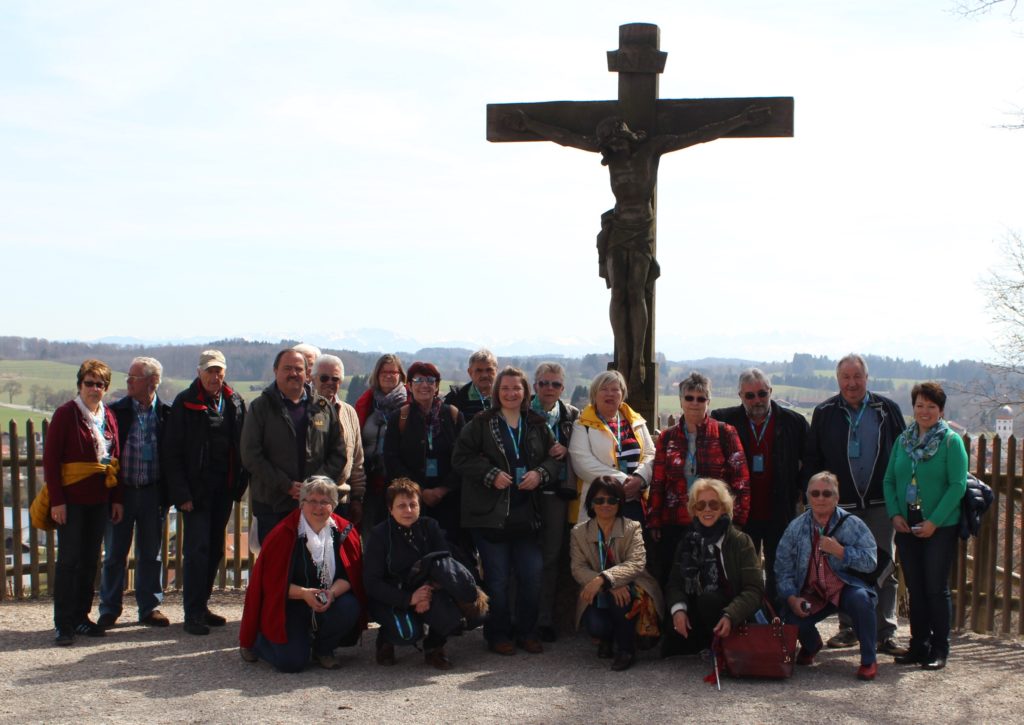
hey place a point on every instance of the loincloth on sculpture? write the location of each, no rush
(624, 245)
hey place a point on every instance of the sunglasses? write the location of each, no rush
(95, 384)
(698, 398)
(332, 378)
(758, 394)
(713, 505)
(827, 493)
(549, 384)
(424, 379)
(609, 500)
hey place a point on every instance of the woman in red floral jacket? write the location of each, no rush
(698, 447)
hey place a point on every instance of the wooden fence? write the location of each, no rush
(20, 479)
(986, 582)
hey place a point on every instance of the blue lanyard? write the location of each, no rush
(618, 430)
(430, 432)
(753, 429)
(602, 549)
(516, 435)
(855, 424)
(484, 400)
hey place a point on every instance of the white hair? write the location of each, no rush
(328, 359)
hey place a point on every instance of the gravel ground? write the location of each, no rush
(137, 674)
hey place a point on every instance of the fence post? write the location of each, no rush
(11, 438)
(976, 564)
(1008, 519)
(991, 535)
(16, 553)
(960, 570)
(33, 489)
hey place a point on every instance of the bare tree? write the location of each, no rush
(12, 388)
(968, 8)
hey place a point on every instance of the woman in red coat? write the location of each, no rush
(306, 588)
(80, 466)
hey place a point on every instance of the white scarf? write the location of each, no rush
(95, 427)
(320, 549)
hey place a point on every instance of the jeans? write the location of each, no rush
(877, 519)
(521, 557)
(858, 603)
(78, 555)
(331, 627)
(203, 550)
(143, 517)
(610, 625)
(926, 565)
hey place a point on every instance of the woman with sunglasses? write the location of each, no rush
(81, 470)
(609, 563)
(813, 565)
(924, 484)
(697, 447)
(418, 445)
(716, 580)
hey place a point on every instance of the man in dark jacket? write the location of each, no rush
(852, 435)
(548, 386)
(773, 440)
(204, 478)
(141, 417)
(290, 434)
(475, 396)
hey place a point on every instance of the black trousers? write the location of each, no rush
(926, 565)
(78, 555)
(203, 550)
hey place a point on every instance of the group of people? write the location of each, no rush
(466, 504)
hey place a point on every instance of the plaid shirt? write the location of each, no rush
(667, 502)
(135, 471)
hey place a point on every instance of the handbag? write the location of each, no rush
(760, 650)
(884, 565)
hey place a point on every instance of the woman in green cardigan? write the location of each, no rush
(924, 483)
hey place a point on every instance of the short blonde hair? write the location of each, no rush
(703, 484)
(602, 379)
(829, 478)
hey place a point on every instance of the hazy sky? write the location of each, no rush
(312, 169)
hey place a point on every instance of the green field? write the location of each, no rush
(20, 417)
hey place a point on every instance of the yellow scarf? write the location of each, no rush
(72, 473)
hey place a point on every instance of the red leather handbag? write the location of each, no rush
(760, 650)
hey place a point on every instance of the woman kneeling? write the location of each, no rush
(306, 589)
(412, 580)
(608, 561)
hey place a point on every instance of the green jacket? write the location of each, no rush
(742, 570)
(479, 457)
(941, 481)
(268, 447)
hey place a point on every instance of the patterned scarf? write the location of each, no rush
(320, 549)
(96, 425)
(921, 450)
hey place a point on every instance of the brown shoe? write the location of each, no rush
(155, 618)
(385, 653)
(247, 654)
(437, 658)
(533, 646)
(506, 649)
(327, 661)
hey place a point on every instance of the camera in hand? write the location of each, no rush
(914, 515)
(321, 597)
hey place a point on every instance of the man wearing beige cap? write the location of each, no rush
(201, 458)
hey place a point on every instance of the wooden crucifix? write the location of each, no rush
(631, 134)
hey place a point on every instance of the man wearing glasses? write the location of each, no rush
(852, 434)
(141, 416)
(548, 386)
(328, 374)
(773, 440)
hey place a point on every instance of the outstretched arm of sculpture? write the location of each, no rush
(751, 116)
(518, 120)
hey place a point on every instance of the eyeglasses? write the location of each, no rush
(318, 503)
(713, 505)
(698, 398)
(95, 384)
(332, 378)
(424, 380)
(758, 394)
(606, 500)
(556, 384)
(826, 493)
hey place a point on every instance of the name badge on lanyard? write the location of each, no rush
(431, 468)
(624, 465)
(520, 473)
(147, 452)
(853, 448)
(757, 463)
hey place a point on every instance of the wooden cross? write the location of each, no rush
(665, 124)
